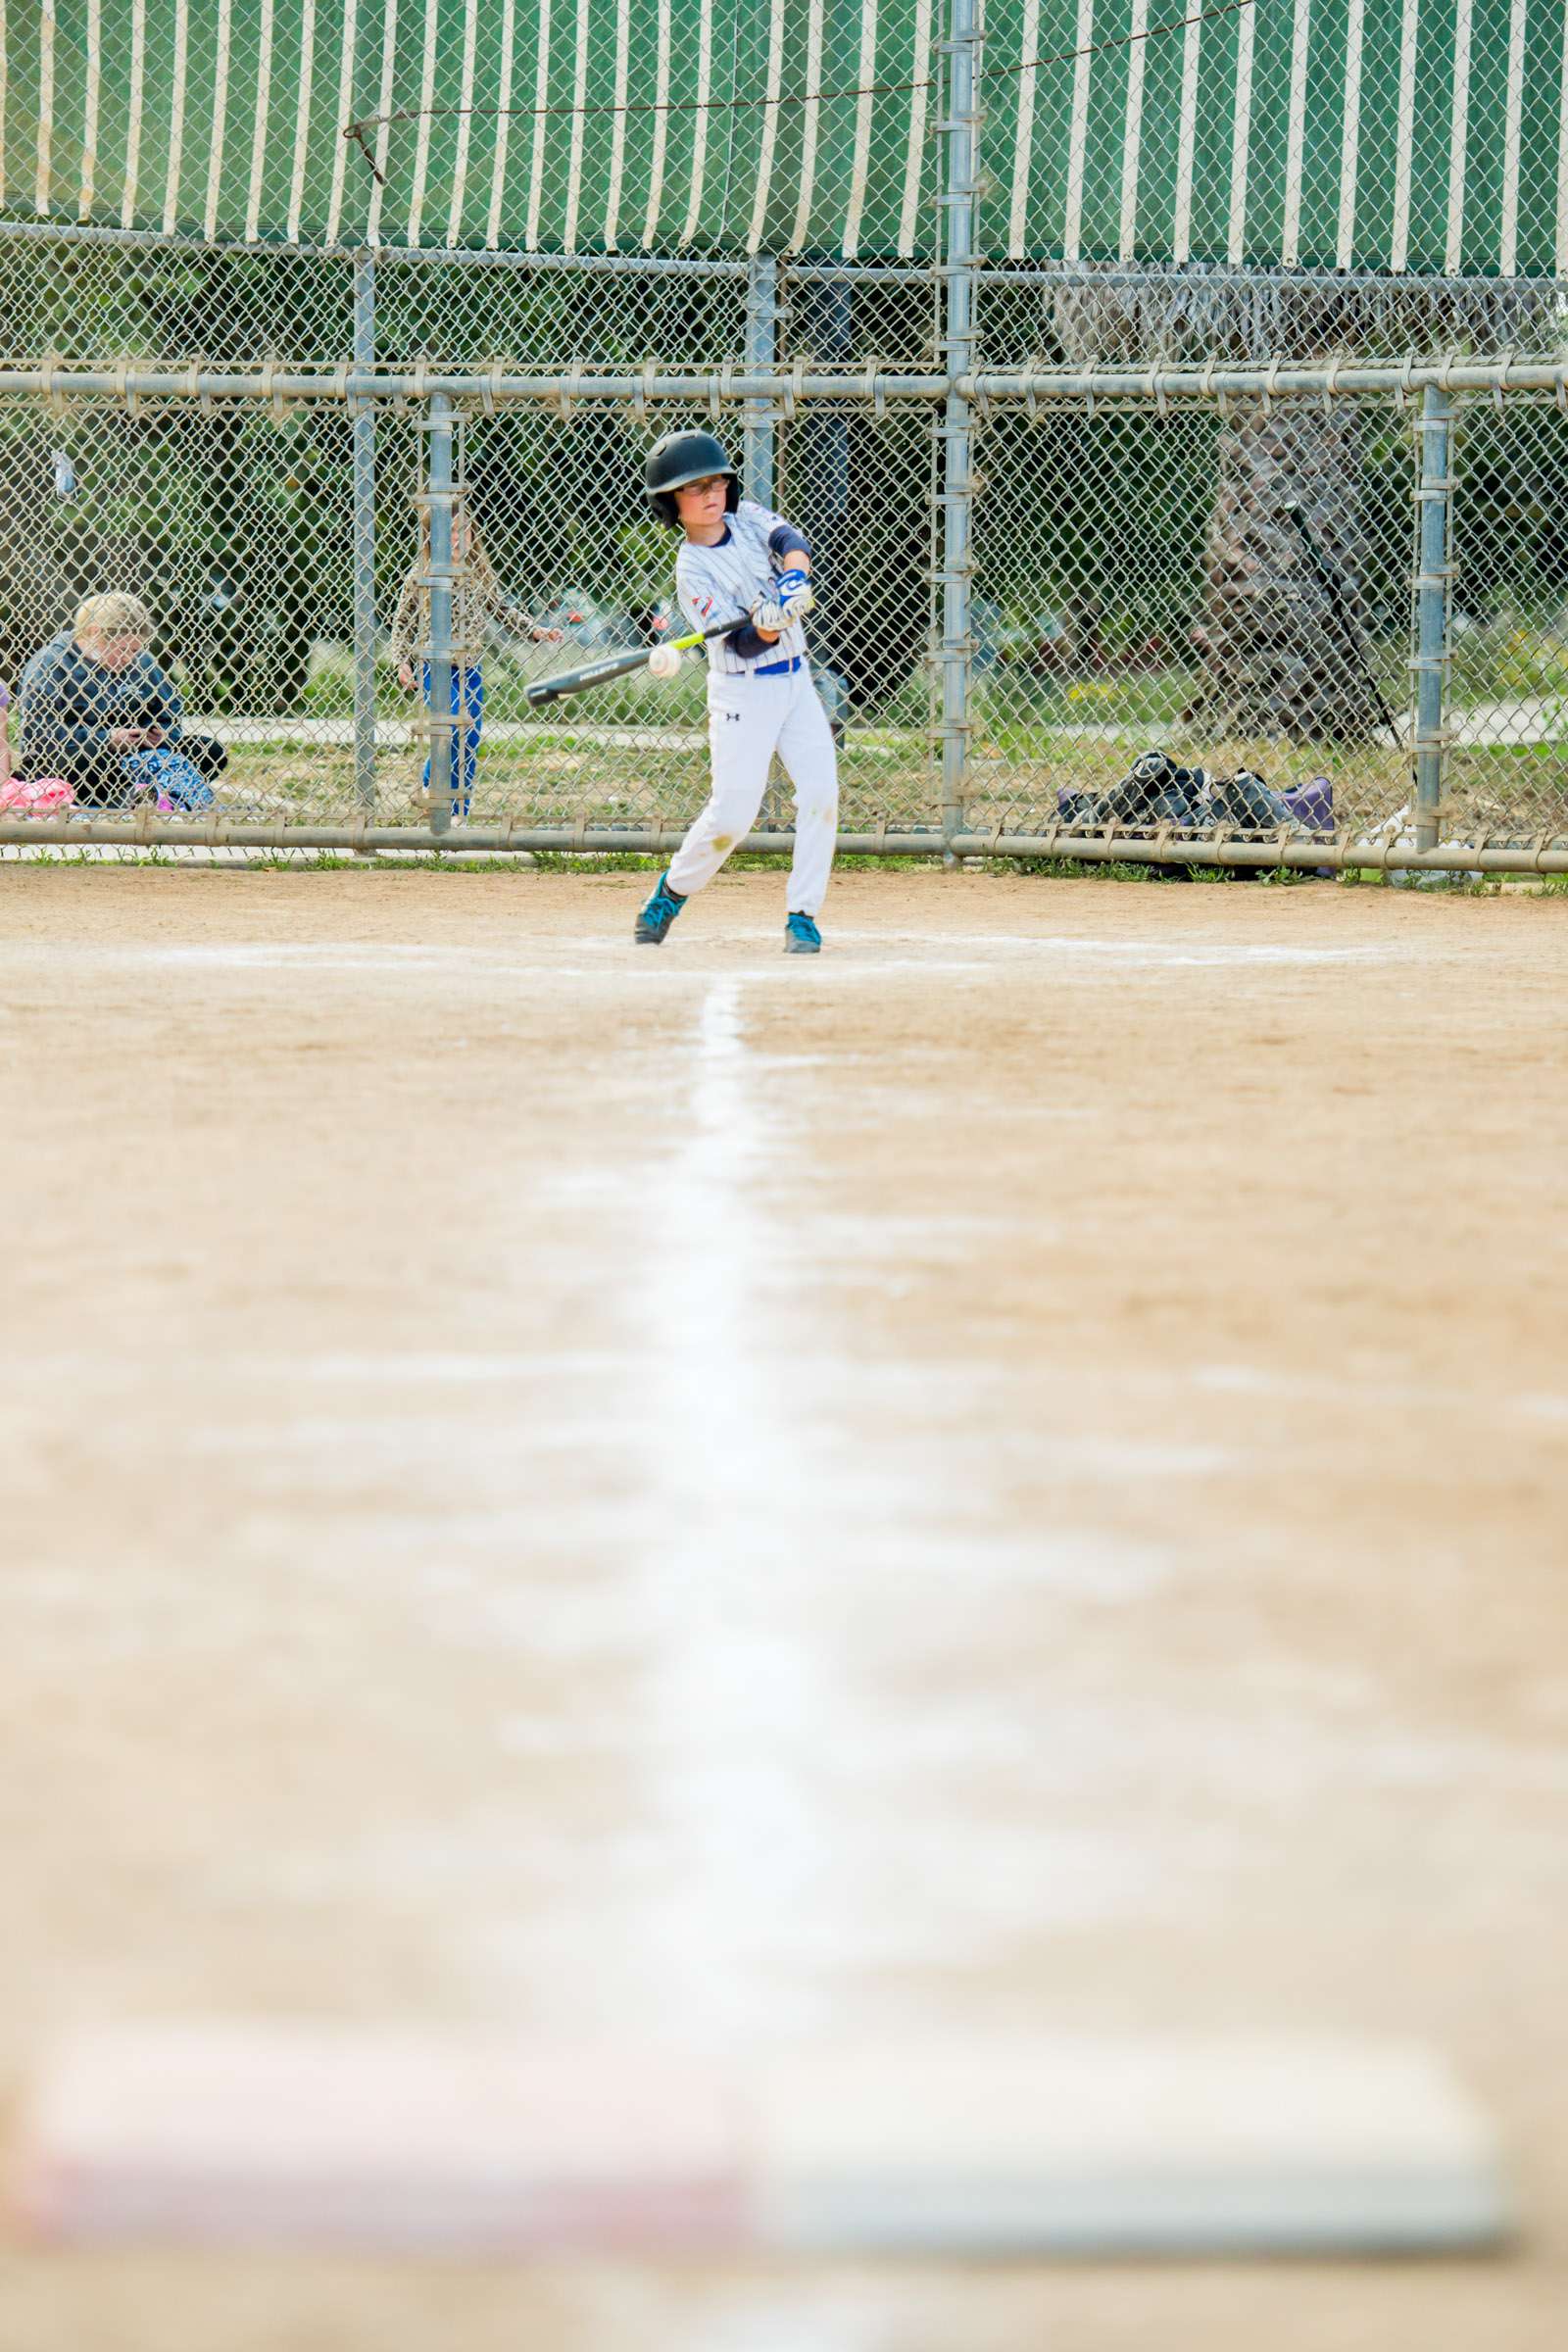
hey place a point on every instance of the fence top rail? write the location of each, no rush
(1045, 275)
(520, 261)
(1271, 379)
(278, 382)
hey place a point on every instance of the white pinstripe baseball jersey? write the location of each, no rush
(713, 582)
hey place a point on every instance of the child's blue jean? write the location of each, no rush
(467, 707)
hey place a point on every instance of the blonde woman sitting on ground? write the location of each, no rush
(96, 710)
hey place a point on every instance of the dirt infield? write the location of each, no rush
(1012, 1473)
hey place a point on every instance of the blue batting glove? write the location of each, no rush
(792, 591)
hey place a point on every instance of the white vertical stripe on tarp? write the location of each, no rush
(1187, 140)
(765, 160)
(264, 105)
(498, 160)
(1078, 134)
(1133, 133)
(1404, 137)
(383, 129)
(422, 128)
(1459, 140)
(89, 112)
(655, 166)
(705, 83)
(465, 141)
(915, 155)
(811, 128)
(222, 77)
(345, 108)
(541, 99)
(1023, 144)
(1350, 138)
(135, 114)
(1241, 136)
(860, 164)
(1512, 124)
(1562, 156)
(1296, 134)
(176, 115)
(617, 126)
(1077, 137)
(302, 117)
(579, 99)
(43, 164)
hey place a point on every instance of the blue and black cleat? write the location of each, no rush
(802, 936)
(658, 916)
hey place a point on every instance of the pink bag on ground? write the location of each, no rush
(45, 797)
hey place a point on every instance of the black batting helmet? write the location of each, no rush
(681, 458)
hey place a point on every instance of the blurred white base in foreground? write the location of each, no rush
(321, 2136)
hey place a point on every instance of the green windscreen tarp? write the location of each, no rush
(1421, 135)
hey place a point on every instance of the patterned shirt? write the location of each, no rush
(478, 597)
(724, 583)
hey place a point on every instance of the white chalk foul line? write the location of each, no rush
(864, 955)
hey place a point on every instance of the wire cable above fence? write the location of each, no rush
(359, 130)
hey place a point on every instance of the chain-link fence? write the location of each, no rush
(1507, 702)
(1196, 623)
(1101, 571)
(1231, 590)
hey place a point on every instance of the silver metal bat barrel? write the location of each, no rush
(617, 665)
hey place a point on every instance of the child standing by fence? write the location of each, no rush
(478, 597)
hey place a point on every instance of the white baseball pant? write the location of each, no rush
(749, 719)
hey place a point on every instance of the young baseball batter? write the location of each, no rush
(739, 560)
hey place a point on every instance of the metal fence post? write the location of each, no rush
(761, 349)
(957, 429)
(364, 538)
(1435, 504)
(445, 784)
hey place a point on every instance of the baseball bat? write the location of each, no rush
(617, 665)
